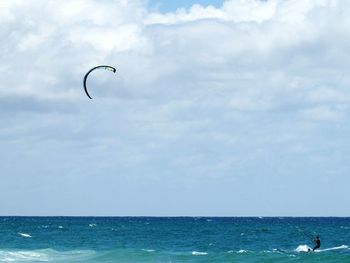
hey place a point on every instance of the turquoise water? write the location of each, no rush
(187, 239)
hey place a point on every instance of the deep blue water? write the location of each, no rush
(179, 239)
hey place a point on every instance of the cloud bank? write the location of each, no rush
(248, 101)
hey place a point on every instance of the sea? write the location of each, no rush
(173, 239)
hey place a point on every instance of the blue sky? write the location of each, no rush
(240, 108)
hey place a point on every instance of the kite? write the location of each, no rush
(110, 68)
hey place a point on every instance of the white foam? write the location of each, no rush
(303, 248)
(242, 251)
(15, 256)
(44, 255)
(148, 250)
(306, 248)
(276, 250)
(197, 253)
(92, 225)
(24, 234)
(332, 248)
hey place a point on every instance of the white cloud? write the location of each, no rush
(325, 94)
(240, 38)
(324, 113)
(197, 92)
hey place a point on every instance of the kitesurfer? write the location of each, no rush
(317, 242)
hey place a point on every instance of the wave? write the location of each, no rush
(303, 248)
(332, 248)
(24, 234)
(44, 255)
(197, 253)
(238, 251)
(128, 255)
(148, 250)
(306, 248)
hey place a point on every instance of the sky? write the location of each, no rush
(171, 6)
(217, 108)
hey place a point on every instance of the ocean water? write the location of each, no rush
(179, 239)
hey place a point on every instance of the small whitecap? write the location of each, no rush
(24, 234)
(242, 251)
(148, 250)
(276, 250)
(303, 248)
(198, 253)
(92, 225)
(60, 227)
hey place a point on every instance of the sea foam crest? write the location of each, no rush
(15, 256)
(44, 255)
(198, 253)
(24, 234)
(148, 250)
(303, 248)
(332, 248)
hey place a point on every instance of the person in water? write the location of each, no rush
(317, 243)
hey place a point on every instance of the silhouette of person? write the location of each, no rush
(317, 242)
